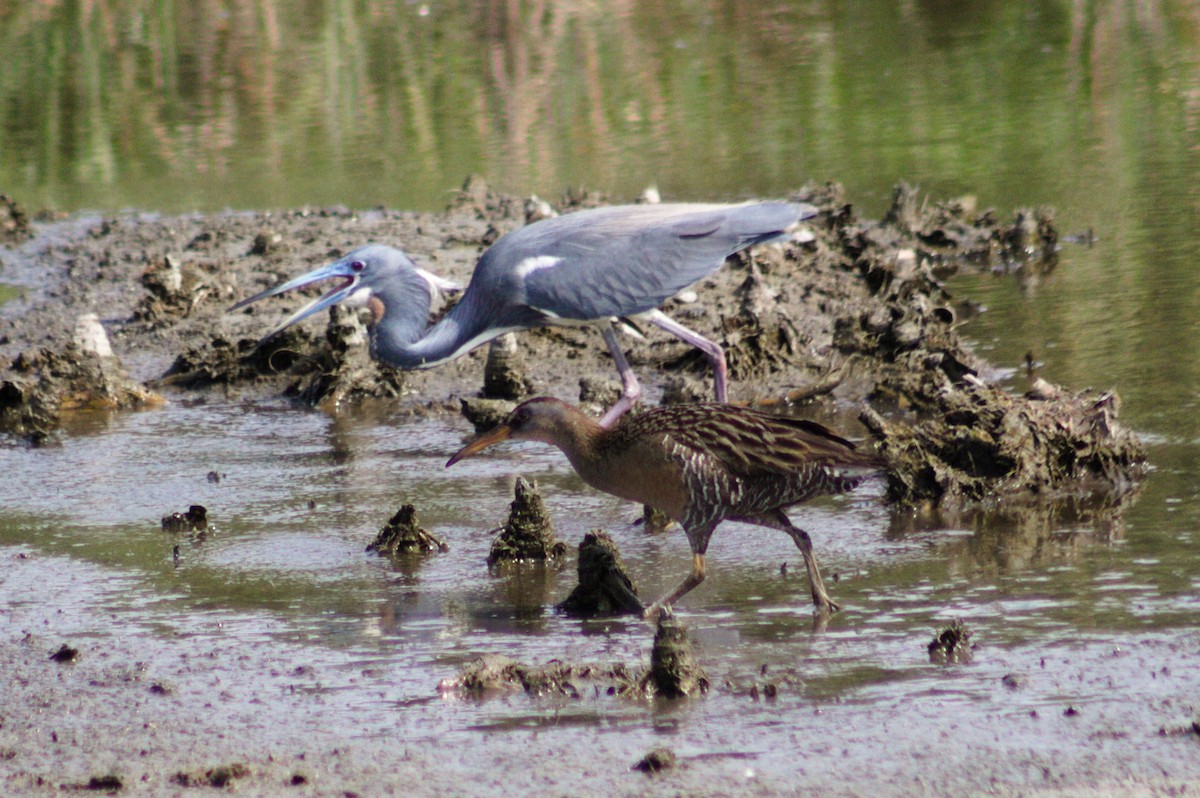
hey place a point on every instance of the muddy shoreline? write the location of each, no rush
(848, 323)
(849, 318)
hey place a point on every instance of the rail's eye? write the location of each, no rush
(357, 266)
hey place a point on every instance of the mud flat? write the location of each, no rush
(850, 316)
(849, 322)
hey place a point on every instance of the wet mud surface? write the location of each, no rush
(849, 322)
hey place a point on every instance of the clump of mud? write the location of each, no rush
(350, 374)
(403, 534)
(850, 312)
(44, 385)
(484, 414)
(65, 653)
(1187, 730)
(961, 440)
(174, 288)
(674, 671)
(495, 672)
(952, 645)
(14, 222)
(655, 760)
(528, 535)
(109, 783)
(504, 375)
(195, 520)
(219, 777)
(604, 587)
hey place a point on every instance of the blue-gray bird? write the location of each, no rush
(592, 267)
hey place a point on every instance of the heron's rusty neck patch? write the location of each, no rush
(375, 305)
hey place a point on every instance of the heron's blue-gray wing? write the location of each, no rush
(626, 260)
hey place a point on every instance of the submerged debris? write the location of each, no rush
(403, 535)
(604, 588)
(218, 777)
(528, 533)
(952, 645)
(194, 520)
(674, 671)
(65, 653)
(656, 759)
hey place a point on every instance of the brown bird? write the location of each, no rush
(700, 464)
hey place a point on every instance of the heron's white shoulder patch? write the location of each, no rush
(536, 263)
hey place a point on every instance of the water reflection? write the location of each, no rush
(1012, 538)
(175, 105)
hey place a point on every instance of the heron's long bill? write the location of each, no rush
(338, 294)
(493, 436)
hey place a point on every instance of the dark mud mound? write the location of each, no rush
(326, 373)
(403, 534)
(656, 760)
(14, 222)
(528, 534)
(966, 441)
(673, 673)
(43, 386)
(674, 670)
(195, 520)
(952, 645)
(848, 313)
(494, 672)
(604, 587)
(948, 436)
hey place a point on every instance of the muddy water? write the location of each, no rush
(278, 642)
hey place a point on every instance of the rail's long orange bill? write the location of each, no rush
(481, 442)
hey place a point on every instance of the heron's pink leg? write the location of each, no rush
(631, 391)
(713, 350)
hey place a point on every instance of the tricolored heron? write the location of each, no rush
(591, 267)
(701, 464)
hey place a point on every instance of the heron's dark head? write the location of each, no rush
(366, 271)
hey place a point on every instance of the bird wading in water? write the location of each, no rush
(593, 267)
(701, 464)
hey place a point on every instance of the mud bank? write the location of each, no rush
(849, 317)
